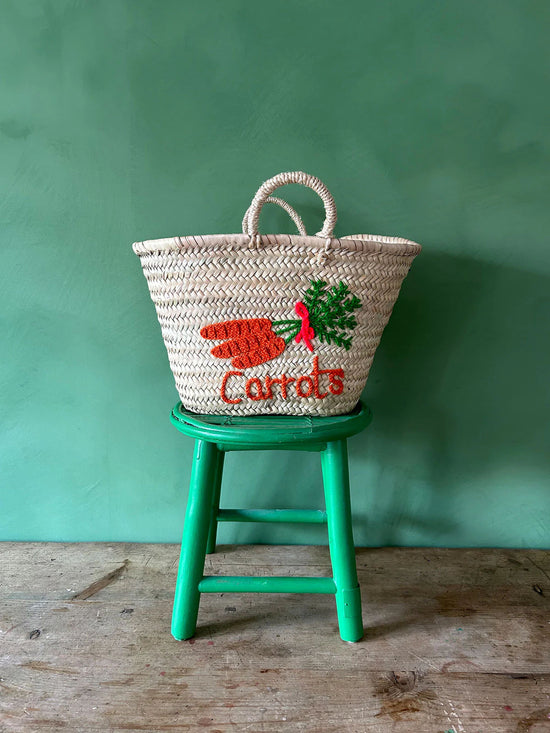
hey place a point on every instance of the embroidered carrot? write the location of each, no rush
(243, 344)
(268, 350)
(324, 313)
(233, 329)
(249, 341)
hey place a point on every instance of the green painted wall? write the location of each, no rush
(124, 120)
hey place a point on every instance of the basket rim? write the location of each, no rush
(363, 243)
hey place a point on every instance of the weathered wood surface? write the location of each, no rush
(457, 640)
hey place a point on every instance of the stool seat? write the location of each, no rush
(217, 434)
(268, 431)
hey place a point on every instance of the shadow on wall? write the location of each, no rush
(458, 450)
(461, 401)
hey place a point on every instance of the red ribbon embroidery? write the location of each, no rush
(306, 333)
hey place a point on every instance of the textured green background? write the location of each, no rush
(124, 120)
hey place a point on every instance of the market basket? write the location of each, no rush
(274, 323)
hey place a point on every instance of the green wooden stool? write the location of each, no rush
(214, 436)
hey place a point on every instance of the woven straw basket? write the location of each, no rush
(274, 324)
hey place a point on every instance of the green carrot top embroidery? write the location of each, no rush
(325, 313)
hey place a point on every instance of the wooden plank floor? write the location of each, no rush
(456, 640)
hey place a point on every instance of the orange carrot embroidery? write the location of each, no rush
(249, 341)
(242, 345)
(325, 314)
(234, 329)
(268, 350)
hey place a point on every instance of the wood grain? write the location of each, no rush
(456, 640)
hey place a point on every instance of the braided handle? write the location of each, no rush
(284, 205)
(267, 188)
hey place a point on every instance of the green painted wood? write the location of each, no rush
(203, 513)
(294, 516)
(195, 536)
(289, 447)
(122, 121)
(272, 584)
(213, 530)
(270, 431)
(340, 534)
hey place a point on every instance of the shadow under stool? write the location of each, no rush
(214, 436)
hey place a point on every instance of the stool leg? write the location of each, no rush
(334, 461)
(195, 535)
(211, 544)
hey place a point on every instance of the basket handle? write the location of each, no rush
(267, 188)
(284, 205)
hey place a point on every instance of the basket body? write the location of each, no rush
(203, 280)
